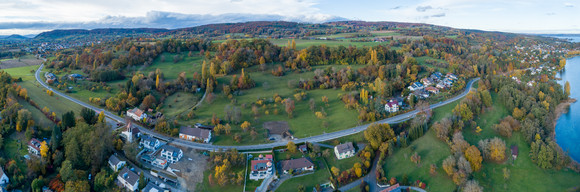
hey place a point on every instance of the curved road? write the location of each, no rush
(210, 147)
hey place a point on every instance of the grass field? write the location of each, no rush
(342, 164)
(15, 149)
(422, 61)
(180, 103)
(303, 124)
(304, 43)
(432, 151)
(171, 70)
(22, 72)
(320, 176)
(39, 118)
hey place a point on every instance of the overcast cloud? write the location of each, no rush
(34, 16)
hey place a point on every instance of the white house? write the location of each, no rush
(432, 90)
(301, 164)
(150, 187)
(34, 146)
(416, 86)
(195, 134)
(261, 168)
(115, 163)
(149, 143)
(392, 106)
(344, 150)
(128, 179)
(171, 153)
(3, 177)
(136, 114)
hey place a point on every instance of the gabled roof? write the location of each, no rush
(148, 139)
(136, 111)
(174, 150)
(114, 160)
(296, 163)
(34, 143)
(152, 188)
(392, 103)
(345, 147)
(129, 176)
(196, 132)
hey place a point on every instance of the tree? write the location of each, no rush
(497, 149)
(464, 165)
(245, 125)
(433, 169)
(66, 171)
(463, 111)
(545, 157)
(291, 147)
(472, 186)
(77, 186)
(289, 104)
(149, 101)
(335, 171)
(68, 120)
(142, 182)
(567, 89)
(415, 158)
(88, 116)
(442, 129)
(378, 133)
(473, 155)
(37, 184)
(449, 165)
(44, 149)
(459, 177)
(101, 118)
(518, 114)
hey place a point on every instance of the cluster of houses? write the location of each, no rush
(432, 84)
(142, 116)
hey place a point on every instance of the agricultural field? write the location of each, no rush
(171, 69)
(304, 43)
(28, 60)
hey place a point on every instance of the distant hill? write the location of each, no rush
(56, 34)
(13, 37)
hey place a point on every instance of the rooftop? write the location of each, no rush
(296, 163)
(196, 132)
(129, 176)
(345, 147)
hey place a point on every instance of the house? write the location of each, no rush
(530, 83)
(128, 179)
(432, 90)
(115, 163)
(344, 150)
(427, 81)
(136, 114)
(156, 162)
(441, 85)
(195, 134)
(416, 86)
(514, 151)
(436, 76)
(303, 148)
(171, 153)
(34, 146)
(392, 106)
(451, 76)
(3, 178)
(280, 128)
(131, 133)
(75, 76)
(261, 168)
(421, 94)
(150, 187)
(297, 165)
(149, 143)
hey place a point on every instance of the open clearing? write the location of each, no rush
(24, 61)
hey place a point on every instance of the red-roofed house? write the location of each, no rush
(392, 106)
(261, 169)
(432, 90)
(136, 114)
(34, 146)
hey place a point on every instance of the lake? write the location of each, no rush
(568, 126)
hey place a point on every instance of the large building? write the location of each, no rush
(392, 106)
(195, 134)
(150, 187)
(171, 154)
(344, 150)
(131, 133)
(128, 179)
(297, 165)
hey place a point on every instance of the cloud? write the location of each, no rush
(395, 8)
(438, 15)
(568, 5)
(550, 13)
(169, 20)
(424, 8)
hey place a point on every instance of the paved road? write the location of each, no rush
(210, 147)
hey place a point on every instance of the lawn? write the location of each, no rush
(342, 164)
(23, 72)
(320, 176)
(171, 70)
(180, 103)
(443, 111)
(422, 61)
(15, 149)
(303, 124)
(432, 151)
(39, 118)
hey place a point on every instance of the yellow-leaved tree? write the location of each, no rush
(44, 149)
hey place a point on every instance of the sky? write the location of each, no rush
(521, 16)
